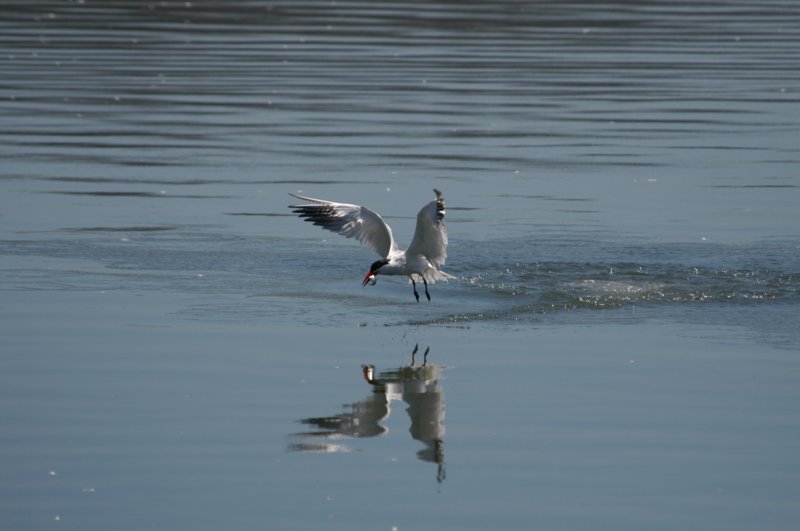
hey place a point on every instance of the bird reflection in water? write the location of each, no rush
(417, 385)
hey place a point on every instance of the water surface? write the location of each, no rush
(618, 349)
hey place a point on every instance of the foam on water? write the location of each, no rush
(503, 282)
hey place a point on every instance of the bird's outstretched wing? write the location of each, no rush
(352, 221)
(430, 236)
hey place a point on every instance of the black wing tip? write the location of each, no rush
(440, 211)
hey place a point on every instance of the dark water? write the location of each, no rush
(618, 349)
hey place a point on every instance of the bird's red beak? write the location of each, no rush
(367, 278)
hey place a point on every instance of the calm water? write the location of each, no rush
(619, 349)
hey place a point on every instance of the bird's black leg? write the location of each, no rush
(426, 289)
(414, 287)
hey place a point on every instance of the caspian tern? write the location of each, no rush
(421, 261)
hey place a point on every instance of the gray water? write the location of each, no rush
(618, 349)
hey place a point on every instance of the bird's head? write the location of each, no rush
(369, 278)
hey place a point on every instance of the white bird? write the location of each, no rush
(422, 260)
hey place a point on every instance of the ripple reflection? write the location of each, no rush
(417, 385)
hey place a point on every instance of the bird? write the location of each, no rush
(421, 261)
